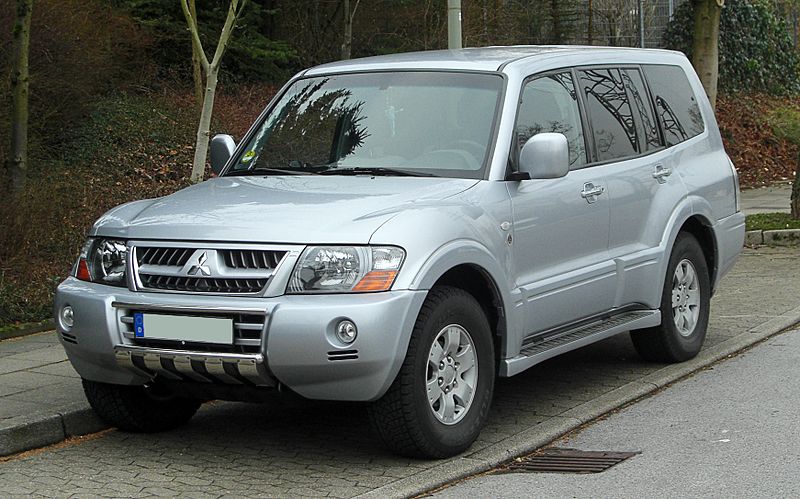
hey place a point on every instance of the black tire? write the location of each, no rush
(403, 417)
(665, 343)
(139, 408)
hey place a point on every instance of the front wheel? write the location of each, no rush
(685, 303)
(440, 399)
(140, 408)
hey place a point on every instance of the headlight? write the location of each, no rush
(346, 269)
(103, 261)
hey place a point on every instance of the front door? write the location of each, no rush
(560, 227)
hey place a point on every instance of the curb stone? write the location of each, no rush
(781, 237)
(551, 429)
(24, 433)
(26, 329)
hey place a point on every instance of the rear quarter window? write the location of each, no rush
(675, 102)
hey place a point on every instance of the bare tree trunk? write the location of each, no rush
(705, 51)
(197, 68)
(555, 12)
(590, 25)
(211, 71)
(795, 198)
(347, 43)
(348, 30)
(18, 155)
(203, 129)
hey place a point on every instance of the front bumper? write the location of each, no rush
(297, 346)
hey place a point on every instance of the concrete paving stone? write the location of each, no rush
(124, 489)
(10, 364)
(14, 490)
(54, 396)
(774, 198)
(64, 369)
(193, 480)
(159, 492)
(13, 412)
(47, 354)
(19, 345)
(31, 380)
(8, 389)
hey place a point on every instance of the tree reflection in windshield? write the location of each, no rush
(330, 123)
(433, 123)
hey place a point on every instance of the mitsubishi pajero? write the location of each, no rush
(405, 229)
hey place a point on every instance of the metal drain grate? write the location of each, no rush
(566, 461)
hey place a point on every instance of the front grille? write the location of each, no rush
(190, 269)
(201, 285)
(251, 259)
(164, 256)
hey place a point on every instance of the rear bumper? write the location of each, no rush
(730, 239)
(297, 348)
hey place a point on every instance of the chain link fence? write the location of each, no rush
(619, 23)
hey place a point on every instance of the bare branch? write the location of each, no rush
(234, 11)
(191, 21)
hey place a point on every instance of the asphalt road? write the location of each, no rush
(729, 431)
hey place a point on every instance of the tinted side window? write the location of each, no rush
(549, 104)
(610, 113)
(646, 120)
(676, 105)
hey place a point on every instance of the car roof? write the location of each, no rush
(478, 58)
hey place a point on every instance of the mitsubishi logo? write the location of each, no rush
(201, 267)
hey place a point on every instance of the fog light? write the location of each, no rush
(346, 332)
(67, 317)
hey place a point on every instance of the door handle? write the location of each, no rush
(591, 191)
(660, 173)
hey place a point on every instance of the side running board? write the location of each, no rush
(540, 347)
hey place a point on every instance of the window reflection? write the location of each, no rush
(675, 103)
(646, 125)
(613, 125)
(550, 105)
(437, 123)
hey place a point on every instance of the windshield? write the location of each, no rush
(408, 123)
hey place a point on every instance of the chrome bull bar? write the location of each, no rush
(205, 367)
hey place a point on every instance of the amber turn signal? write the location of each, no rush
(376, 280)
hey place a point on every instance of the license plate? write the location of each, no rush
(183, 328)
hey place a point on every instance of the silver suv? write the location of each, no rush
(404, 229)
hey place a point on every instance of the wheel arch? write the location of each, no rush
(477, 281)
(700, 227)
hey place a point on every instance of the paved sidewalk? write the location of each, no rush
(774, 198)
(41, 398)
(283, 449)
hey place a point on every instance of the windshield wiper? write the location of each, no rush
(269, 171)
(386, 172)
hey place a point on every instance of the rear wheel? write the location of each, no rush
(685, 303)
(140, 408)
(440, 399)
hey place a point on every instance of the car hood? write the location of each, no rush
(277, 209)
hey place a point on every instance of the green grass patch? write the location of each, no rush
(771, 221)
(785, 123)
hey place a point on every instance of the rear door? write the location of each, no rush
(643, 191)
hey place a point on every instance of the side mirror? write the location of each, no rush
(545, 155)
(222, 147)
